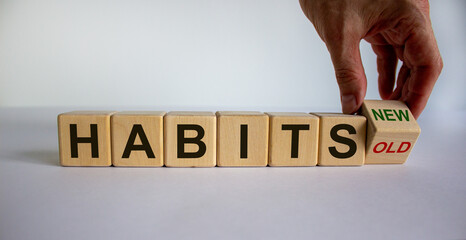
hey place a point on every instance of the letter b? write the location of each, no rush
(182, 140)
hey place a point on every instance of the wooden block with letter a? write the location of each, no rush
(342, 139)
(242, 139)
(392, 131)
(137, 139)
(84, 138)
(293, 139)
(190, 139)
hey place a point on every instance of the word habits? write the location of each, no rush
(384, 133)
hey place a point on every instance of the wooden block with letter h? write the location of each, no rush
(190, 139)
(84, 138)
(293, 139)
(242, 139)
(392, 131)
(137, 139)
(342, 139)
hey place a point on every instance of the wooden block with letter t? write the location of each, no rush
(190, 139)
(293, 139)
(392, 131)
(84, 138)
(342, 139)
(137, 139)
(242, 139)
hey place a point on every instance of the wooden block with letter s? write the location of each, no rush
(242, 139)
(84, 138)
(137, 138)
(392, 131)
(190, 139)
(342, 139)
(293, 139)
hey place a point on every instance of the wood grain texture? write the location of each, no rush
(392, 131)
(288, 147)
(81, 122)
(236, 128)
(144, 129)
(207, 121)
(342, 139)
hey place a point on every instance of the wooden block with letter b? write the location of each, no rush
(137, 139)
(293, 139)
(190, 139)
(84, 138)
(392, 131)
(242, 139)
(342, 139)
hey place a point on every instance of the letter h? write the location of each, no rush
(93, 140)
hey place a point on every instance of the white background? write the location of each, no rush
(217, 55)
(204, 54)
(421, 199)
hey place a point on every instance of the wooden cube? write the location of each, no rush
(392, 131)
(190, 139)
(137, 139)
(293, 139)
(84, 138)
(242, 139)
(342, 139)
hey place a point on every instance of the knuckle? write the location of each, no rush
(346, 76)
(440, 64)
(437, 65)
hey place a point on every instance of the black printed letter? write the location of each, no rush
(337, 138)
(145, 146)
(93, 140)
(196, 140)
(244, 141)
(295, 136)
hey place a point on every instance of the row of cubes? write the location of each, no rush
(236, 139)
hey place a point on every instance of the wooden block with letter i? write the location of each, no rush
(342, 139)
(392, 131)
(242, 139)
(190, 139)
(293, 139)
(84, 138)
(137, 139)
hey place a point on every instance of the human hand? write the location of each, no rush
(396, 30)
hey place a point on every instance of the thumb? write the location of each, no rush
(349, 72)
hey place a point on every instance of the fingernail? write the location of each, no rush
(348, 103)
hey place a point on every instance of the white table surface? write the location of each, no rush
(422, 199)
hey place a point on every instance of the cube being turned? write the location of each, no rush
(342, 139)
(190, 139)
(293, 139)
(392, 131)
(137, 139)
(84, 138)
(242, 139)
